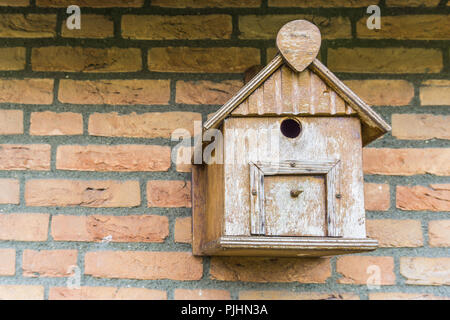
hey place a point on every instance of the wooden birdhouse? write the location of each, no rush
(289, 181)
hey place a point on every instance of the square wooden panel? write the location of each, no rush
(312, 209)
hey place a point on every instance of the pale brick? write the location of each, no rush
(21, 292)
(383, 92)
(85, 193)
(363, 270)
(439, 233)
(435, 92)
(11, 122)
(404, 296)
(425, 271)
(169, 193)
(92, 26)
(395, 233)
(206, 92)
(7, 262)
(420, 126)
(90, 3)
(9, 191)
(201, 294)
(28, 26)
(113, 158)
(25, 157)
(270, 269)
(183, 230)
(105, 293)
(406, 162)
(130, 228)
(436, 197)
(114, 92)
(183, 156)
(49, 263)
(211, 60)
(27, 91)
(143, 265)
(49, 123)
(206, 3)
(12, 58)
(376, 197)
(291, 295)
(24, 227)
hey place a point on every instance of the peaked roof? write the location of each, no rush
(373, 126)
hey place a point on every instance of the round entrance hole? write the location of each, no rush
(291, 128)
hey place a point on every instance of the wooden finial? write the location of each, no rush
(299, 42)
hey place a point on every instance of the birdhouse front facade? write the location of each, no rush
(289, 181)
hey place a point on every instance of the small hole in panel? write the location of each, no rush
(291, 128)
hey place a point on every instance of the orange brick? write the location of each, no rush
(94, 26)
(267, 26)
(12, 58)
(364, 270)
(420, 126)
(439, 233)
(143, 265)
(183, 156)
(407, 27)
(24, 227)
(206, 92)
(435, 92)
(25, 157)
(27, 91)
(145, 125)
(49, 123)
(304, 270)
(290, 295)
(320, 3)
(10, 191)
(169, 193)
(85, 193)
(21, 292)
(385, 60)
(157, 27)
(436, 197)
(412, 3)
(212, 60)
(383, 92)
(90, 3)
(206, 3)
(406, 162)
(404, 296)
(81, 59)
(376, 197)
(425, 271)
(105, 293)
(27, 26)
(395, 233)
(7, 262)
(114, 92)
(15, 3)
(130, 228)
(201, 294)
(49, 263)
(183, 230)
(113, 158)
(11, 121)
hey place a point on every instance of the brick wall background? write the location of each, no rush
(85, 121)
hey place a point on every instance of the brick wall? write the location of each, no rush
(86, 176)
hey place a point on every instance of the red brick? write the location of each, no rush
(114, 92)
(439, 233)
(436, 197)
(143, 265)
(420, 126)
(376, 197)
(395, 233)
(15, 3)
(7, 262)
(245, 269)
(404, 296)
(290, 295)
(25, 157)
(385, 60)
(206, 92)
(320, 3)
(48, 263)
(113, 158)
(383, 92)
(169, 193)
(210, 60)
(27, 26)
(105, 293)
(21, 292)
(85, 193)
(206, 3)
(406, 162)
(82, 59)
(27, 91)
(183, 230)
(10, 191)
(24, 227)
(435, 92)
(12, 58)
(201, 294)
(425, 271)
(90, 3)
(11, 121)
(93, 26)
(130, 228)
(49, 123)
(158, 27)
(357, 270)
(145, 125)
